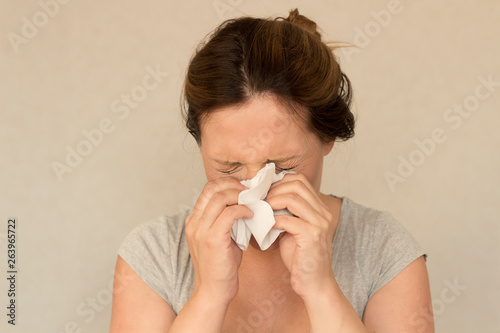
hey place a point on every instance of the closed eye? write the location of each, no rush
(284, 169)
(226, 167)
(227, 172)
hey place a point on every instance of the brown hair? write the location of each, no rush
(282, 57)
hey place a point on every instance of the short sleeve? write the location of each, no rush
(144, 249)
(392, 248)
(157, 251)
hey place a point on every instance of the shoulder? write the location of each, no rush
(156, 231)
(157, 251)
(158, 237)
(370, 249)
(377, 238)
(369, 223)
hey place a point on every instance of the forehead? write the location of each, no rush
(260, 128)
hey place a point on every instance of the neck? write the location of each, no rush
(262, 264)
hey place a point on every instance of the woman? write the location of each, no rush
(258, 92)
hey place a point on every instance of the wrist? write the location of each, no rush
(208, 309)
(330, 311)
(323, 293)
(210, 299)
(201, 313)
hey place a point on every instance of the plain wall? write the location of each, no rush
(412, 71)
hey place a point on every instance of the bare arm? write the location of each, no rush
(138, 308)
(216, 258)
(404, 304)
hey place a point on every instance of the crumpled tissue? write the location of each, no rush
(262, 222)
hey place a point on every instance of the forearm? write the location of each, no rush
(200, 314)
(330, 312)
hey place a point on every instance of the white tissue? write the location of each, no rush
(262, 222)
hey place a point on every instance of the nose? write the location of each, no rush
(251, 171)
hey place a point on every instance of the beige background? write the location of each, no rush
(407, 73)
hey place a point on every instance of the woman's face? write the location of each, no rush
(238, 141)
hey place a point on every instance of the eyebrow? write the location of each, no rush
(226, 162)
(284, 159)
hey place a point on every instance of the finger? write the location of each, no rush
(299, 186)
(292, 225)
(217, 204)
(225, 221)
(298, 206)
(212, 187)
(305, 235)
(295, 177)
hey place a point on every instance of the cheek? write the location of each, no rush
(212, 174)
(314, 179)
(313, 173)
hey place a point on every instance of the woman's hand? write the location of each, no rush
(306, 247)
(216, 257)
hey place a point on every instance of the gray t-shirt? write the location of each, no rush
(369, 249)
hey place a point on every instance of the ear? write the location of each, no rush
(327, 147)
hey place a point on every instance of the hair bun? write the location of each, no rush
(303, 22)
